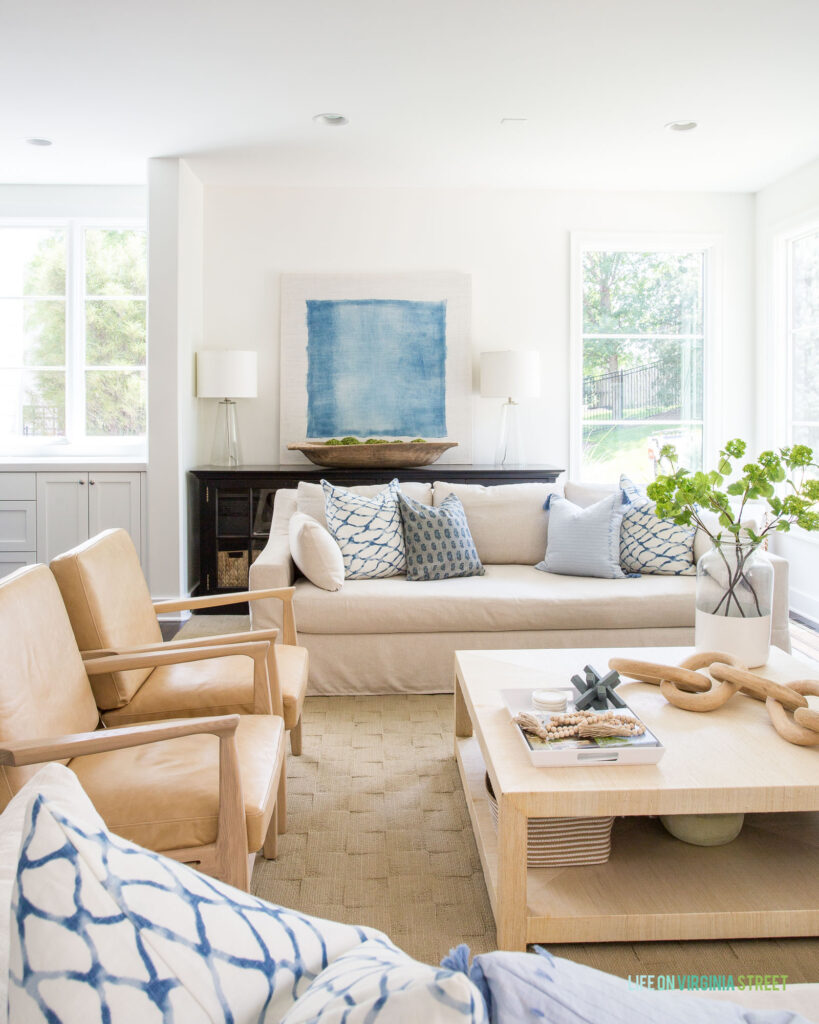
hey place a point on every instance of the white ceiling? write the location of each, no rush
(233, 85)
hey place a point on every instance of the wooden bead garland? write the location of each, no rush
(581, 725)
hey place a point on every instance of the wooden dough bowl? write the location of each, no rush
(393, 455)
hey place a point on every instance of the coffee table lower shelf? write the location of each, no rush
(656, 888)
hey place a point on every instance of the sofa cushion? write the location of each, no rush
(508, 597)
(507, 522)
(438, 543)
(310, 497)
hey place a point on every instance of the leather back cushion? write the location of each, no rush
(109, 605)
(44, 690)
(508, 523)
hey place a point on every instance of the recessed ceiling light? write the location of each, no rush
(331, 120)
(681, 126)
(39, 142)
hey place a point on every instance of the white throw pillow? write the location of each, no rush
(108, 928)
(63, 790)
(368, 531)
(315, 552)
(378, 982)
(507, 522)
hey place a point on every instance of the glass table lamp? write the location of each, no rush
(510, 375)
(226, 374)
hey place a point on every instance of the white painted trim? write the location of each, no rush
(712, 247)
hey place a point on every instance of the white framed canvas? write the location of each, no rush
(376, 355)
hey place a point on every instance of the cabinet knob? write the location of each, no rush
(81, 483)
(92, 482)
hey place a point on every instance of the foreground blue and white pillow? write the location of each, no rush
(368, 530)
(584, 541)
(376, 981)
(102, 929)
(658, 547)
(438, 540)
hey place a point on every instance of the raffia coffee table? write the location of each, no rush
(654, 887)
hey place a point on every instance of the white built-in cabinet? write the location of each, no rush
(43, 514)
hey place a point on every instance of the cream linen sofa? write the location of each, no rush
(394, 636)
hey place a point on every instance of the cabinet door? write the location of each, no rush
(62, 513)
(114, 500)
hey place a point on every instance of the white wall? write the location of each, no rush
(73, 201)
(783, 207)
(514, 244)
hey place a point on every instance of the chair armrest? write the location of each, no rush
(267, 698)
(283, 594)
(248, 636)
(17, 755)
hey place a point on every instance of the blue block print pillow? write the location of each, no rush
(368, 531)
(377, 982)
(658, 547)
(117, 933)
(437, 540)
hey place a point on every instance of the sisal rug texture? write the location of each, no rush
(379, 834)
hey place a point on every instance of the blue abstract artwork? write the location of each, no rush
(376, 367)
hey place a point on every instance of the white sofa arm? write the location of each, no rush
(780, 610)
(274, 568)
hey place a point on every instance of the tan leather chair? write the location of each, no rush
(201, 790)
(110, 609)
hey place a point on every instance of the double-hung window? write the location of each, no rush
(640, 351)
(803, 338)
(72, 338)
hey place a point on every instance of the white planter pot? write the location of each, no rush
(749, 640)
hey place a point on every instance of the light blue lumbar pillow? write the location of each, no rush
(438, 541)
(584, 541)
(368, 531)
(526, 987)
(658, 547)
(114, 932)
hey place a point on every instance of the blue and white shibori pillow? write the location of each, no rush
(368, 531)
(658, 547)
(377, 982)
(112, 932)
(438, 541)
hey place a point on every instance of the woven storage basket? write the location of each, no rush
(232, 570)
(562, 842)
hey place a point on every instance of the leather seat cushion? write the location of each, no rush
(221, 686)
(165, 795)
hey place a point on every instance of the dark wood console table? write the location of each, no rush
(232, 508)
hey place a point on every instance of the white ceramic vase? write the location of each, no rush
(734, 598)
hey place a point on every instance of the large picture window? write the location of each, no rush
(641, 362)
(72, 338)
(803, 339)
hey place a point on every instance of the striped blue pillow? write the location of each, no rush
(584, 541)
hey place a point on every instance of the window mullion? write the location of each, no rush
(75, 326)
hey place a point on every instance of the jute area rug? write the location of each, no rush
(379, 834)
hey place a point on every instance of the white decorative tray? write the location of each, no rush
(604, 750)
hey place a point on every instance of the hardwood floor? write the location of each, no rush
(804, 640)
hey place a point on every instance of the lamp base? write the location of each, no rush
(226, 436)
(510, 450)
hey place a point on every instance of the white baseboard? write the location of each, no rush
(804, 604)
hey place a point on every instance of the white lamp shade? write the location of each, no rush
(225, 373)
(510, 374)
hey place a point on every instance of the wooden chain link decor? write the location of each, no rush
(687, 687)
